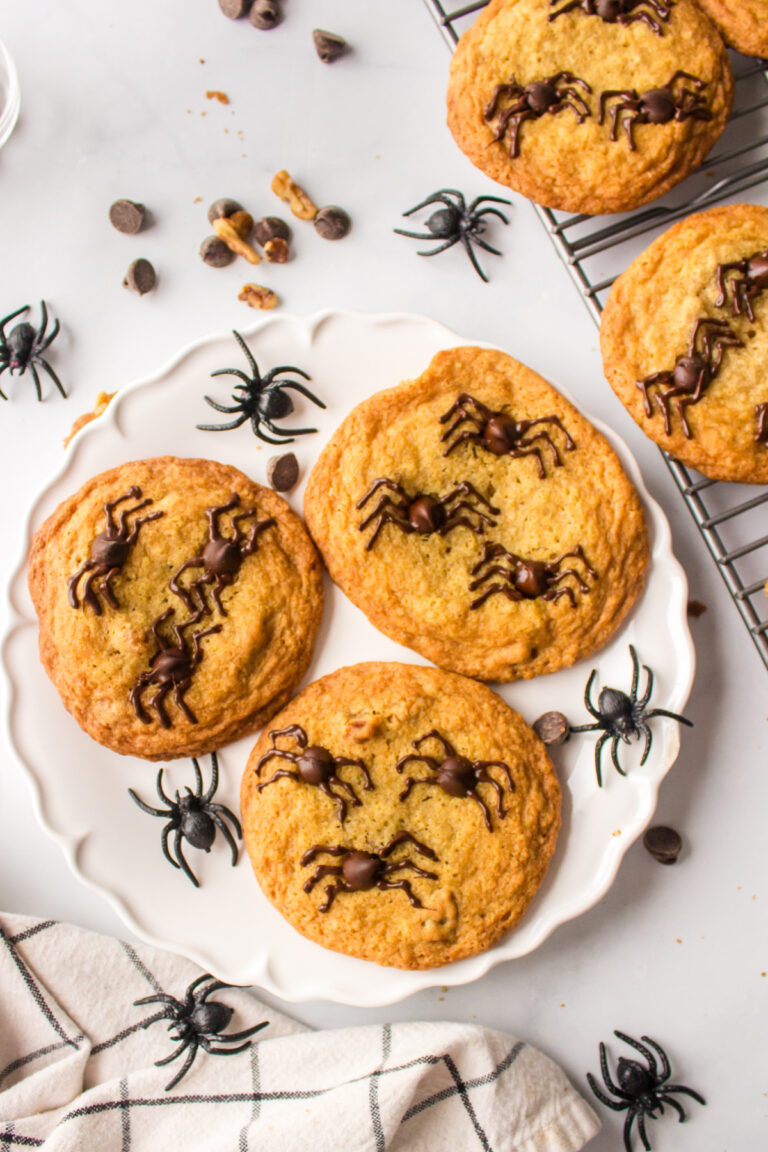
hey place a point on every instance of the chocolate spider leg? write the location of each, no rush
(483, 764)
(327, 849)
(568, 8)
(226, 834)
(87, 592)
(320, 873)
(401, 864)
(430, 761)
(494, 570)
(294, 386)
(466, 435)
(462, 401)
(178, 694)
(409, 838)
(433, 734)
(582, 586)
(344, 761)
(157, 703)
(646, 18)
(385, 503)
(554, 594)
(685, 76)
(602, 1096)
(475, 511)
(518, 452)
(388, 516)
(340, 801)
(517, 121)
(147, 807)
(510, 593)
(136, 701)
(455, 521)
(331, 892)
(475, 795)
(411, 781)
(406, 887)
(186, 594)
(277, 776)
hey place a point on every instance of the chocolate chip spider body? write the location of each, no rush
(692, 374)
(171, 669)
(360, 871)
(531, 101)
(222, 557)
(457, 775)
(426, 514)
(499, 433)
(656, 106)
(654, 13)
(522, 579)
(109, 552)
(750, 281)
(316, 766)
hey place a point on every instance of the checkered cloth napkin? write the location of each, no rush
(84, 1068)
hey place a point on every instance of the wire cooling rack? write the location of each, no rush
(595, 250)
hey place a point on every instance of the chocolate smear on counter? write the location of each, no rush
(663, 843)
(499, 433)
(109, 552)
(531, 101)
(520, 579)
(360, 871)
(426, 514)
(316, 766)
(171, 669)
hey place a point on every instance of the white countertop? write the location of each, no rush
(113, 105)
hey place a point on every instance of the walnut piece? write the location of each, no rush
(227, 232)
(295, 197)
(256, 296)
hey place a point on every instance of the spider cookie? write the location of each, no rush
(178, 605)
(684, 339)
(400, 814)
(475, 516)
(589, 106)
(743, 23)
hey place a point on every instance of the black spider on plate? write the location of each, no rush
(641, 1091)
(197, 1022)
(23, 348)
(261, 399)
(620, 716)
(193, 818)
(457, 222)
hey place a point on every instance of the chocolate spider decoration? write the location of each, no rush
(315, 765)
(193, 817)
(456, 222)
(221, 557)
(197, 1022)
(261, 399)
(457, 775)
(522, 579)
(171, 668)
(692, 374)
(24, 346)
(761, 417)
(619, 716)
(531, 101)
(641, 1091)
(656, 106)
(109, 552)
(360, 871)
(750, 281)
(499, 433)
(654, 13)
(426, 514)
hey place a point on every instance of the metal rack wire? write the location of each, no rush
(731, 518)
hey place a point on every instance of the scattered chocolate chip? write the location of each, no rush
(328, 45)
(265, 14)
(282, 472)
(332, 223)
(140, 277)
(215, 253)
(126, 216)
(234, 9)
(663, 843)
(552, 728)
(223, 207)
(271, 228)
(276, 251)
(696, 609)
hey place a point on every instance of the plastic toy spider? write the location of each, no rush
(621, 717)
(171, 667)
(197, 1022)
(314, 765)
(361, 871)
(109, 552)
(621, 11)
(657, 106)
(523, 579)
(261, 399)
(193, 817)
(423, 513)
(499, 433)
(640, 1091)
(531, 101)
(221, 558)
(750, 281)
(24, 346)
(457, 222)
(457, 775)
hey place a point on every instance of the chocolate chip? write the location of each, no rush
(696, 609)
(140, 277)
(332, 223)
(265, 14)
(282, 472)
(552, 728)
(224, 207)
(271, 228)
(328, 45)
(126, 216)
(215, 253)
(663, 843)
(234, 8)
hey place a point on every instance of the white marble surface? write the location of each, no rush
(112, 103)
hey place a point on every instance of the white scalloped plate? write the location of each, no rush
(227, 926)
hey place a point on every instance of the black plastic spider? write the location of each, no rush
(24, 346)
(196, 1023)
(262, 399)
(457, 222)
(642, 1091)
(193, 818)
(620, 717)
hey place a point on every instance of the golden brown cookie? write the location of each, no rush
(155, 659)
(404, 858)
(689, 360)
(547, 141)
(743, 23)
(494, 548)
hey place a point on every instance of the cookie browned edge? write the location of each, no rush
(740, 23)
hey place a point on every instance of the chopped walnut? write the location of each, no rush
(227, 232)
(363, 728)
(294, 195)
(256, 296)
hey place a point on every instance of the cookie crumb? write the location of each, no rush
(214, 94)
